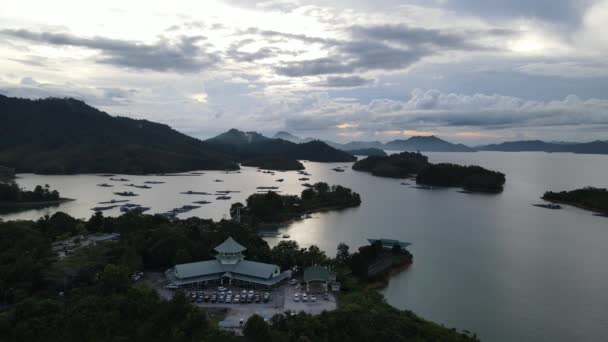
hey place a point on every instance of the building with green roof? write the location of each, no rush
(229, 267)
(318, 279)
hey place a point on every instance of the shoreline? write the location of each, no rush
(578, 205)
(34, 204)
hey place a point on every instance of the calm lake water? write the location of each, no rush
(492, 264)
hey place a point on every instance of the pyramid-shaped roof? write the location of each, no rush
(230, 246)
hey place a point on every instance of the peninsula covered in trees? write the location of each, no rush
(271, 207)
(410, 164)
(64, 135)
(590, 198)
(88, 295)
(13, 198)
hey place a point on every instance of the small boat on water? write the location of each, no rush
(223, 198)
(126, 193)
(303, 179)
(107, 175)
(119, 179)
(280, 180)
(201, 202)
(266, 188)
(153, 182)
(423, 187)
(227, 191)
(190, 192)
(139, 186)
(405, 183)
(218, 180)
(133, 207)
(105, 185)
(303, 173)
(104, 208)
(113, 201)
(307, 185)
(337, 169)
(548, 205)
(286, 236)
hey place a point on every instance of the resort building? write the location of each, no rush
(228, 268)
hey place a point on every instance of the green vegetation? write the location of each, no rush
(399, 165)
(271, 207)
(63, 136)
(472, 178)
(361, 316)
(408, 164)
(252, 145)
(89, 296)
(10, 192)
(589, 198)
(275, 164)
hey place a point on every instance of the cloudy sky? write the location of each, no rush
(471, 71)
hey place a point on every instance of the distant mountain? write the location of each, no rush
(426, 144)
(356, 145)
(594, 147)
(250, 146)
(236, 137)
(56, 135)
(288, 137)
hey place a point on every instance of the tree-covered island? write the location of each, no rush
(410, 164)
(14, 198)
(590, 198)
(271, 207)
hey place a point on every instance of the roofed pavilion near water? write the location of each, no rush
(229, 267)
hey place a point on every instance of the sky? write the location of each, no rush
(469, 71)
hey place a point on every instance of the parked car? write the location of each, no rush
(221, 289)
(257, 298)
(304, 297)
(293, 281)
(296, 297)
(206, 297)
(213, 298)
(326, 296)
(228, 299)
(313, 299)
(237, 298)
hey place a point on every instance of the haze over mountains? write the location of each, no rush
(436, 144)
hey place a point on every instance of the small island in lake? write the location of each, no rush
(270, 207)
(410, 164)
(590, 198)
(13, 198)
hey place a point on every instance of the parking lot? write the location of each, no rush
(280, 300)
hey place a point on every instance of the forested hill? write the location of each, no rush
(252, 145)
(68, 136)
(62, 135)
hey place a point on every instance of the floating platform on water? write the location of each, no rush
(548, 205)
(390, 243)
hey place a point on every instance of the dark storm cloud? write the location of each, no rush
(294, 36)
(184, 55)
(355, 56)
(413, 36)
(561, 12)
(384, 47)
(346, 81)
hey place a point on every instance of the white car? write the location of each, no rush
(313, 299)
(296, 297)
(293, 281)
(221, 289)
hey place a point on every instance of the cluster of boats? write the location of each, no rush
(126, 194)
(338, 169)
(133, 207)
(548, 205)
(183, 209)
(139, 186)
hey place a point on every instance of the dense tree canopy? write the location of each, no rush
(588, 198)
